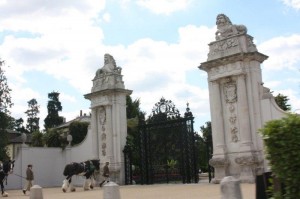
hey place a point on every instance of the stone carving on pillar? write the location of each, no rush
(110, 66)
(230, 39)
(227, 29)
(109, 76)
(102, 121)
(230, 92)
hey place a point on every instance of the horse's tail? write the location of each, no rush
(68, 169)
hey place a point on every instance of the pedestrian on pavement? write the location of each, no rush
(29, 179)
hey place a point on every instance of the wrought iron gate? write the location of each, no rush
(167, 148)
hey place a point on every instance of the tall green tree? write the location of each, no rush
(134, 116)
(282, 102)
(5, 104)
(32, 113)
(54, 106)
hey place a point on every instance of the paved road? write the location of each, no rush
(165, 191)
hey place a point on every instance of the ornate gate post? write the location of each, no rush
(109, 121)
(235, 85)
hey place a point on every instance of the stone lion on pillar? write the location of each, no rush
(227, 29)
(109, 66)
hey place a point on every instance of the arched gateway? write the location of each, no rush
(239, 103)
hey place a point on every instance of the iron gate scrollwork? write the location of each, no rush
(167, 147)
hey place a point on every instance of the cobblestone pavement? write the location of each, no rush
(162, 191)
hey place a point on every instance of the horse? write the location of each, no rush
(87, 169)
(6, 168)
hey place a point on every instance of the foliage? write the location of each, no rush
(52, 138)
(32, 119)
(206, 132)
(282, 138)
(78, 130)
(5, 98)
(282, 102)
(133, 109)
(3, 136)
(171, 163)
(5, 104)
(134, 116)
(37, 139)
(18, 125)
(204, 146)
(54, 106)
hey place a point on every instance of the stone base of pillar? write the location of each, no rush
(220, 165)
(248, 164)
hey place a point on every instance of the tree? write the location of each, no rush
(134, 116)
(54, 106)
(53, 138)
(205, 146)
(281, 138)
(37, 139)
(32, 119)
(19, 125)
(5, 104)
(282, 102)
(78, 130)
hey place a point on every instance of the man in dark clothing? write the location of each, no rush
(105, 174)
(29, 179)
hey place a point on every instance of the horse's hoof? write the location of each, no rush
(64, 190)
(5, 194)
(73, 190)
(92, 187)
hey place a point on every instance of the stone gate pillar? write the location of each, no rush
(235, 85)
(109, 121)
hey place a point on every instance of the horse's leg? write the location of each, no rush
(86, 185)
(66, 184)
(72, 187)
(93, 182)
(2, 187)
(4, 194)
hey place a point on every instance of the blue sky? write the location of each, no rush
(59, 45)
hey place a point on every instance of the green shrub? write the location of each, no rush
(282, 145)
(78, 130)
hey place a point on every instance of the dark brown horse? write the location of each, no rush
(6, 168)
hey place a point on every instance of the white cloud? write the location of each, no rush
(283, 52)
(165, 7)
(292, 3)
(106, 17)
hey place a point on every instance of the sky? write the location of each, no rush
(159, 44)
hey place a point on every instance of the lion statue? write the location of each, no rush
(226, 28)
(109, 66)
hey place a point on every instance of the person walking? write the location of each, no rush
(29, 179)
(105, 174)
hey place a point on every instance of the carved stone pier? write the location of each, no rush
(235, 90)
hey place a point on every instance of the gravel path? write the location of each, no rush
(166, 191)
